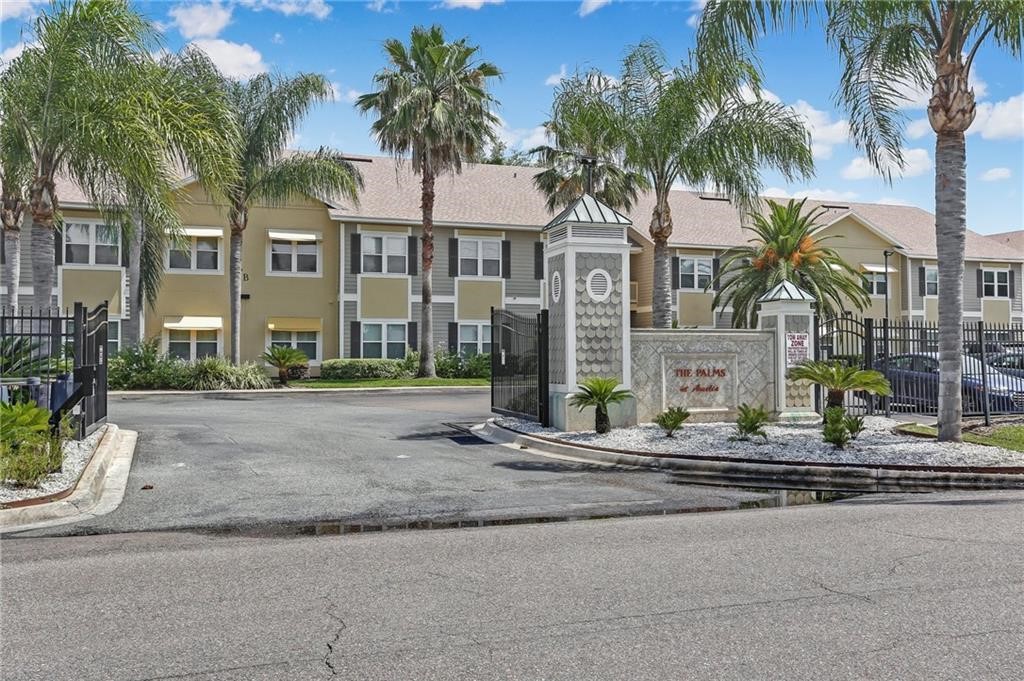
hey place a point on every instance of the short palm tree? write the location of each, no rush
(268, 109)
(887, 48)
(838, 378)
(787, 245)
(15, 172)
(432, 106)
(599, 392)
(283, 359)
(82, 102)
(587, 147)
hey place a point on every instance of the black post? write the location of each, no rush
(588, 163)
(542, 368)
(495, 345)
(986, 409)
(885, 357)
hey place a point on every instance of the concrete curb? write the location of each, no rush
(764, 475)
(282, 392)
(99, 489)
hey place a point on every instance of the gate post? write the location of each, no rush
(788, 311)
(587, 266)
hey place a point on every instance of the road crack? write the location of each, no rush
(333, 643)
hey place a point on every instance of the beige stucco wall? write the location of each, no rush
(995, 311)
(858, 245)
(92, 286)
(695, 309)
(384, 297)
(931, 309)
(476, 298)
(641, 270)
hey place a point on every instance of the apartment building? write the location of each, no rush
(336, 279)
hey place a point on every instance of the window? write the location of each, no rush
(198, 253)
(113, 337)
(91, 244)
(189, 344)
(384, 340)
(695, 273)
(385, 254)
(876, 283)
(996, 283)
(306, 341)
(931, 281)
(480, 257)
(474, 339)
(295, 257)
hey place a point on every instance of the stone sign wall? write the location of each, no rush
(709, 372)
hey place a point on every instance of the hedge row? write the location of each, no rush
(447, 365)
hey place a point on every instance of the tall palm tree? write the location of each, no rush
(887, 47)
(15, 172)
(587, 147)
(433, 106)
(787, 246)
(268, 109)
(81, 100)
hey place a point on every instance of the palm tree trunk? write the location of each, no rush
(661, 230)
(950, 232)
(602, 424)
(12, 266)
(235, 266)
(43, 205)
(426, 369)
(131, 326)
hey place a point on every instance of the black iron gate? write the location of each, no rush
(848, 340)
(519, 364)
(90, 333)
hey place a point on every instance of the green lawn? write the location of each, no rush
(1008, 437)
(388, 382)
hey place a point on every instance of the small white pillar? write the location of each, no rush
(788, 310)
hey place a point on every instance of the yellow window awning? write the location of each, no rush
(294, 324)
(294, 236)
(193, 323)
(204, 231)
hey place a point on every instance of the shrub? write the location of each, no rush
(447, 364)
(854, 424)
(144, 368)
(28, 449)
(750, 421)
(671, 419)
(476, 366)
(24, 466)
(216, 373)
(599, 393)
(835, 431)
(348, 369)
(837, 378)
(284, 359)
(22, 421)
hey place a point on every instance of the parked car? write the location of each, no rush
(1010, 363)
(991, 348)
(914, 379)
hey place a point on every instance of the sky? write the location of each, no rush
(536, 43)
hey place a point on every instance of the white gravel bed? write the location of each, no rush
(876, 444)
(76, 456)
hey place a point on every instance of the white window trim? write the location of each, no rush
(383, 337)
(384, 254)
(927, 270)
(995, 271)
(192, 270)
(479, 336)
(480, 258)
(307, 275)
(192, 341)
(696, 259)
(118, 339)
(872, 278)
(313, 361)
(92, 223)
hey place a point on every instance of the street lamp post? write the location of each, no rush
(885, 266)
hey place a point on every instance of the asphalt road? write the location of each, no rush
(920, 587)
(229, 461)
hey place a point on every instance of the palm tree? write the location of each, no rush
(432, 105)
(587, 147)
(599, 392)
(268, 109)
(15, 171)
(886, 48)
(787, 245)
(81, 101)
(837, 379)
(284, 359)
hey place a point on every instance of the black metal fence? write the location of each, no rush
(57, 359)
(907, 353)
(519, 364)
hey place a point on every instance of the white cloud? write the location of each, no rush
(747, 95)
(522, 138)
(591, 6)
(917, 98)
(11, 53)
(1000, 121)
(201, 20)
(556, 78)
(996, 174)
(894, 201)
(236, 60)
(318, 9)
(917, 161)
(277, 39)
(344, 95)
(469, 4)
(383, 6)
(918, 128)
(825, 133)
(698, 9)
(20, 9)
(815, 193)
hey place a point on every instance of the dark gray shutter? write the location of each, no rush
(538, 260)
(414, 255)
(714, 273)
(506, 259)
(124, 248)
(453, 258)
(355, 333)
(412, 335)
(981, 284)
(675, 273)
(355, 250)
(58, 246)
(922, 290)
(1013, 284)
(3, 246)
(453, 337)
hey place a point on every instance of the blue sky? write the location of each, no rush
(535, 42)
